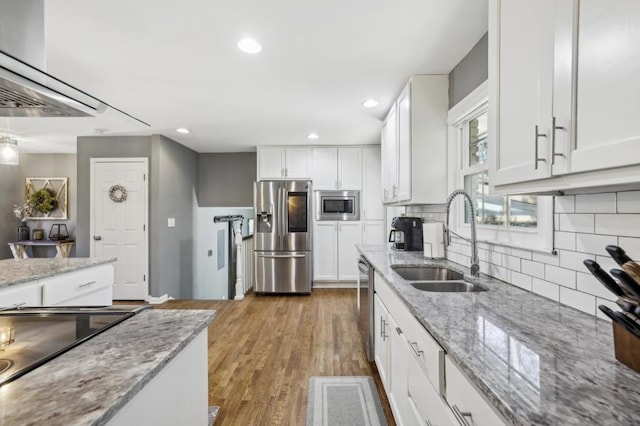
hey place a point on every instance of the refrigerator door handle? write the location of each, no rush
(282, 256)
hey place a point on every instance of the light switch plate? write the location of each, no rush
(171, 222)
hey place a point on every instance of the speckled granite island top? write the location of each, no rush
(537, 361)
(16, 271)
(90, 383)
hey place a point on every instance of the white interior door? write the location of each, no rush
(119, 229)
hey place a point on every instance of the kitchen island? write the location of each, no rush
(149, 369)
(57, 282)
(533, 360)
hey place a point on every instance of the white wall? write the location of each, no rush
(209, 281)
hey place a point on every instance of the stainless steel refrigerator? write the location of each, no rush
(283, 262)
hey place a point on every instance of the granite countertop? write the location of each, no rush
(16, 271)
(537, 361)
(89, 384)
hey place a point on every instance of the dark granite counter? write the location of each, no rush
(537, 361)
(89, 384)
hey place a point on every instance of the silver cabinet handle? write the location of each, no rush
(394, 190)
(538, 136)
(286, 172)
(416, 349)
(386, 194)
(398, 330)
(282, 172)
(460, 415)
(86, 284)
(382, 327)
(554, 154)
(97, 237)
(15, 306)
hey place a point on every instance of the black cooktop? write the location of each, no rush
(33, 336)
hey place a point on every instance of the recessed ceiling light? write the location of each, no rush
(370, 103)
(249, 45)
(183, 130)
(313, 136)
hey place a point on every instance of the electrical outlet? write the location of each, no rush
(171, 222)
(209, 253)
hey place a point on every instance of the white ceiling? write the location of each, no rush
(176, 64)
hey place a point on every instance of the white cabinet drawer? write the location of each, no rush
(464, 399)
(27, 294)
(83, 287)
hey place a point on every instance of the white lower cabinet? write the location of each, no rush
(25, 294)
(382, 341)
(414, 369)
(466, 402)
(86, 287)
(334, 250)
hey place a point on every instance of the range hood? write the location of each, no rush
(26, 90)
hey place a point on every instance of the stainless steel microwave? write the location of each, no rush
(337, 205)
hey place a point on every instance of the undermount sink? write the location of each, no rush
(427, 273)
(447, 286)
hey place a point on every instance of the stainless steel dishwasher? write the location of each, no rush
(365, 305)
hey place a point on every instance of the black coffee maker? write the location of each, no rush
(406, 233)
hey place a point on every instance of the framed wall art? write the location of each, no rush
(48, 196)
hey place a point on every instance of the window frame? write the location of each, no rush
(539, 239)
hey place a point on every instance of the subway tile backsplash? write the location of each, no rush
(584, 225)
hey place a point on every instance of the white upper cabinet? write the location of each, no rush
(564, 94)
(277, 162)
(337, 168)
(325, 168)
(414, 143)
(371, 197)
(525, 70)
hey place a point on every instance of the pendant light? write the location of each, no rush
(8, 148)
(9, 151)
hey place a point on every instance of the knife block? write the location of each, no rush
(626, 347)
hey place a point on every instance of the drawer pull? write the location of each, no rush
(16, 306)
(414, 346)
(86, 284)
(460, 415)
(382, 326)
(398, 330)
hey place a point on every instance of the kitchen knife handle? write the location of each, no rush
(604, 278)
(618, 254)
(627, 283)
(621, 319)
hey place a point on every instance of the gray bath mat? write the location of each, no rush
(344, 401)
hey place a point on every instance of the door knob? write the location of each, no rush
(97, 237)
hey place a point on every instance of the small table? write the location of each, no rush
(19, 248)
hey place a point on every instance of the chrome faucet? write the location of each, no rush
(475, 262)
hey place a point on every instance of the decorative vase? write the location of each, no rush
(23, 232)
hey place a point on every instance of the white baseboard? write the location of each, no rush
(152, 300)
(335, 284)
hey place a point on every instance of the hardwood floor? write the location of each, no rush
(264, 349)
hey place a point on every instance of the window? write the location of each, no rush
(515, 211)
(514, 220)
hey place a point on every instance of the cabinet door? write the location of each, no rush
(271, 163)
(382, 335)
(350, 169)
(373, 232)
(27, 294)
(402, 191)
(425, 405)
(608, 87)
(325, 168)
(463, 398)
(521, 76)
(325, 259)
(389, 143)
(297, 163)
(398, 371)
(349, 234)
(371, 196)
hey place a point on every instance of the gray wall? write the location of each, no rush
(226, 179)
(472, 70)
(50, 165)
(12, 180)
(9, 181)
(173, 190)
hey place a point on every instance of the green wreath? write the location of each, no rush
(43, 200)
